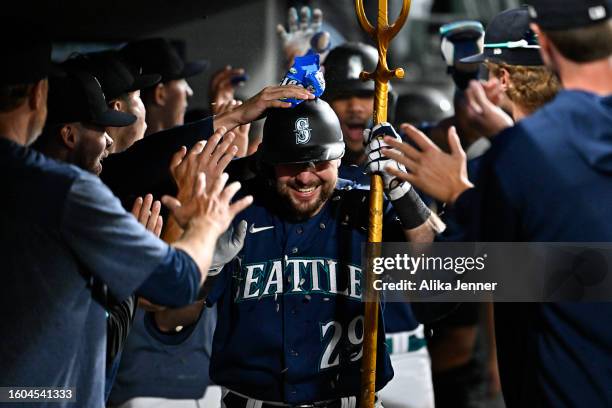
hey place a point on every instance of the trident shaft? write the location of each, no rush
(382, 35)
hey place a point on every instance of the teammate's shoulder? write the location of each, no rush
(31, 163)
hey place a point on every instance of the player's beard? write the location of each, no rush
(301, 210)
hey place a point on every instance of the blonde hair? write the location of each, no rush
(530, 87)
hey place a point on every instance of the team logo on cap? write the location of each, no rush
(597, 13)
(532, 12)
(355, 66)
(302, 131)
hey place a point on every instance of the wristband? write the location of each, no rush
(411, 210)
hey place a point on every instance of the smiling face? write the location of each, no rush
(91, 145)
(305, 187)
(354, 113)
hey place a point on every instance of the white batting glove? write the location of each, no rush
(228, 246)
(377, 163)
(304, 33)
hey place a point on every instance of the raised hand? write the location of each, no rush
(209, 157)
(254, 108)
(222, 86)
(438, 174)
(241, 132)
(303, 33)
(209, 209)
(482, 108)
(146, 211)
(228, 246)
(377, 162)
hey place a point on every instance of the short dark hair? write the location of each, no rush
(11, 96)
(585, 44)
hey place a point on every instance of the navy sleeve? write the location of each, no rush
(109, 242)
(143, 168)
(114, 247)
(175, 282)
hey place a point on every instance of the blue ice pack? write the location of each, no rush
(305, 72)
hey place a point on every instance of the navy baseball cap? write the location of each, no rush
(508, 39)
(78, 97)
(553, 15)
(461, 39)
(158, 56)
(115, 77)
(26, 62)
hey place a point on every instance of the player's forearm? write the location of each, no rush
(168, 320)
(427, 231)
(199, 241)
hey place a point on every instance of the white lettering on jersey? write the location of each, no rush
(304, 276)
(251, 280)
(275, 278)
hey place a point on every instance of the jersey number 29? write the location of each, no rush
(333, 331)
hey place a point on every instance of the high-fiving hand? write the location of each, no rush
(303, 34)
(146, 211)
(438, 174)
(202, 194)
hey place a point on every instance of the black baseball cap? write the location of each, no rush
(509, 39)
(115, 77)
(553, 15)
(158, 56)
(78, 97)
(26, 62)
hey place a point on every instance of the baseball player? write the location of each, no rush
(166, 101)
(290, 323)
(65, 239)
(546, 179)
(85, 145)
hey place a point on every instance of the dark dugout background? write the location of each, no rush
(240, 32)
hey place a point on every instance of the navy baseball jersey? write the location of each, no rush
(548, 179)
(290, 316)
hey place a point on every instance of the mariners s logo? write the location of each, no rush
(302, 131)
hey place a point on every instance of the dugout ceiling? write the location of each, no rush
(108, 20)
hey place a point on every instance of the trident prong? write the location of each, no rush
(382, 34)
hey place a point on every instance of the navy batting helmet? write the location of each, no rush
(343, 66)
(310, 132)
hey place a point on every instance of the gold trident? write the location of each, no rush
(382, 36)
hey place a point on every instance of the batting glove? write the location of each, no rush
(409, 207)
(228, 246)
(377, 163)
